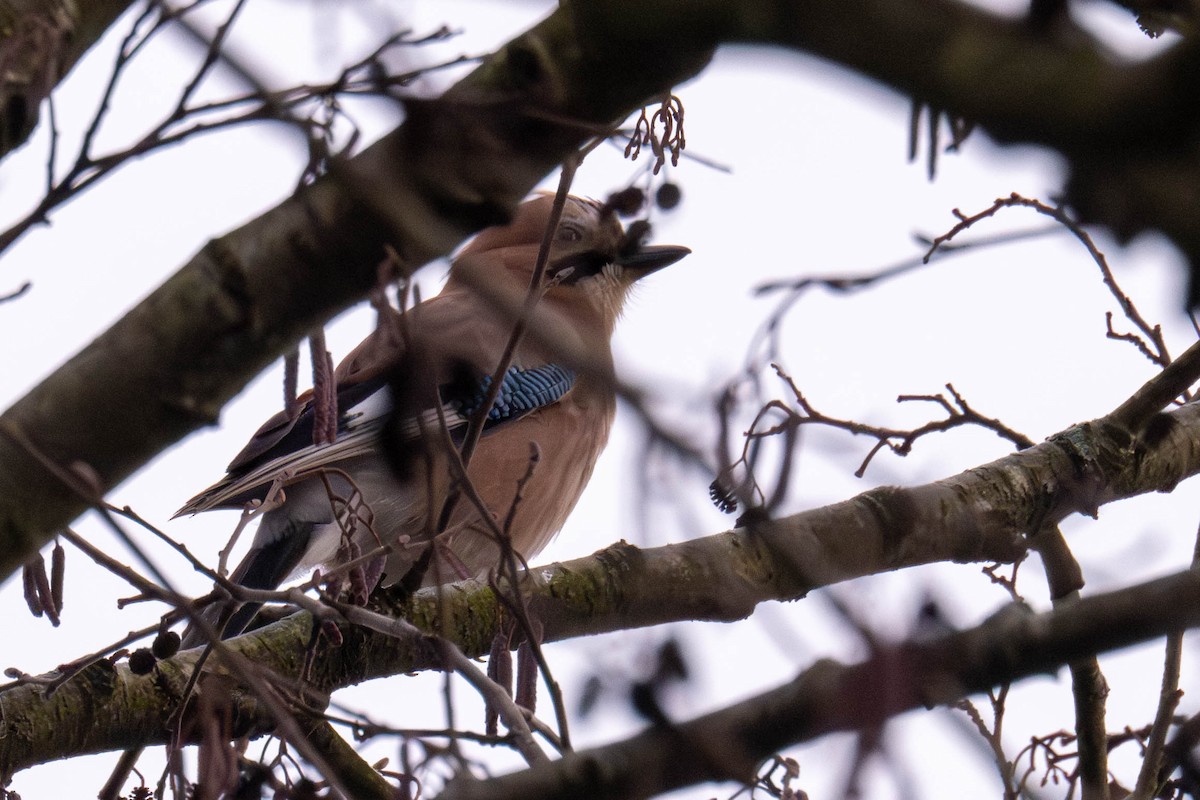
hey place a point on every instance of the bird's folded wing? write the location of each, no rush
(283, 447)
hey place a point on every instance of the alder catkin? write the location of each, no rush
(58, 569)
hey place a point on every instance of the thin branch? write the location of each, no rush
(1149, 341)
(1089, 688)
(495, 695)
(1150, 776)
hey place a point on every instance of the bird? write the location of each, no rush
(407, 395)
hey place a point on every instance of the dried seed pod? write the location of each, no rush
(626, 202)
(668, 196)
(142, 661)
(166, 644)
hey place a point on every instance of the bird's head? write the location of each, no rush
(592, 260)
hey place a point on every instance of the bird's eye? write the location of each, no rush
(569, 232)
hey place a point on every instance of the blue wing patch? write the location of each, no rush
(521, 391)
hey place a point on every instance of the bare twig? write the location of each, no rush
(311, 109)
(958, 413)
(1149, 341)
(1151, 776)
(15, 293)
(513, 716)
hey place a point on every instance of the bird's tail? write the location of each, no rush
(263, 568)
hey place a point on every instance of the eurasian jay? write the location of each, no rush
(406, 396)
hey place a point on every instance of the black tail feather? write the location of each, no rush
(263, 568)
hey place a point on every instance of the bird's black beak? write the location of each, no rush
(652, 258)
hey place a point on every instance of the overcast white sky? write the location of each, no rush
(818, 185)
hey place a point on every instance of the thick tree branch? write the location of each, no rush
(1058, 87)
(977, 516)
(728, 745)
